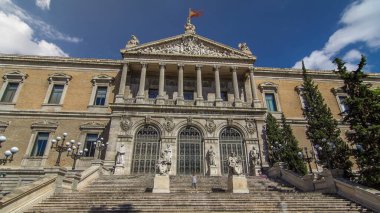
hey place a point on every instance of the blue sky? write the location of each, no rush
(279, 32)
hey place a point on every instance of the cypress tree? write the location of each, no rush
(363, 116)
(273, 139)
(291, 149)
(322, 129)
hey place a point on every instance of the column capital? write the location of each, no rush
(198, 66)
(216, 67)
(144, 64)
(125, 63)
(251, 69)
(162, 64)
(234, 68)
(180, 64)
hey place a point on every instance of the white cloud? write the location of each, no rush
(41, 28)
(43, 4)
(360, 24)
(352, 55)
(17, 38)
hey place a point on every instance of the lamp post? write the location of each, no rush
(100, 146)
(74, 152)
(305, 156)
(60, 146)
(8, 153)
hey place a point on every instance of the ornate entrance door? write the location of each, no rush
(190, 151)
(230, 140)
(146, 150)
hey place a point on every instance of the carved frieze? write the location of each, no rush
(126, 123)
(250, 125)
(169, 124)
(210, 125)
(45, 124)
(190, 45)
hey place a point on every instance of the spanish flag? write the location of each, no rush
(194, 13)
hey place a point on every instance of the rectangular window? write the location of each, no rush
(271, 102)
(100, 96)
(56, 94)
(342, 103)
(224, 96)
(40, 144)
(9, 92)
(188, 95)
(153, 93)
(89, 144)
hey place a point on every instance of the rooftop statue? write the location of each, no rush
(244, 48)
(189, 27)
(132, 42)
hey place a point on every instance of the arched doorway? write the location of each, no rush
(190, 151)
(230, 140)
(146, 150)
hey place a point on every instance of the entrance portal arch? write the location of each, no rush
(190, 151)
(146, 150)
(231, 140)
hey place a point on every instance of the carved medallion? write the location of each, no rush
(126, 123)
(169, 124)
(250, 125)
(210, 125)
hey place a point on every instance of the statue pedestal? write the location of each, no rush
(161, 184)
(237, 184)
(213, 171)
(119, 169)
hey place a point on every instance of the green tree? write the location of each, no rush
(290, 151)
(363, 116)
(322, 129)
(273, 139)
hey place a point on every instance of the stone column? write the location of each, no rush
(141, 93)
(255, 101)
(237, 101)
(123, 79)
(180, 84)
(218, 98)
(199, 98)
(161, 85)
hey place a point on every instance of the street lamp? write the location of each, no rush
(60, 147)
(8, 153)
(100, 146)
(305, 156)
(74, 152)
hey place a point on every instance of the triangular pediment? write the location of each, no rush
(190, 45)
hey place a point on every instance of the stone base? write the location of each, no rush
(238, 184)
(199, 102)
(180, 102)
(213, 171)
(119, 99)
(119, 170)
(256, 104)
(160, 101)
(161, 184)
(219, 103)
(238, 104)
(140, 100)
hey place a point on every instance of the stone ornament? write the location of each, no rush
(132, 42)
(120, 154)
(189, 27)
(126, 123)
(165, 161)
(148, 119)
(190, 45)
(189, 120)
(210, 157)
(250, 125)
(92, 125)
(168, 124)
(230, 121)
(253, 158)
(210, 125)
(45, 124)
(235, 164)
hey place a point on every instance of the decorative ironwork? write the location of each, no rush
(190, 151)
(146, 150)
(230, 140)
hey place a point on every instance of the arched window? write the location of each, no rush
(190, 151)
(230, 140)
(146, 150)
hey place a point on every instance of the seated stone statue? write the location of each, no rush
(235, 164)
(163, 164)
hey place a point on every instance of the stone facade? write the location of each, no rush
(169, 85)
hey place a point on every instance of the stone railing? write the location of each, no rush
(26, 196)
(205, 103)
(367, 197)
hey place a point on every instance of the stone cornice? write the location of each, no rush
(61, 115)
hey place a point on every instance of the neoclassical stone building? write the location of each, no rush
(185, 92)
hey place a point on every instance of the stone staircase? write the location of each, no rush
(11, 179)
(133, 194)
